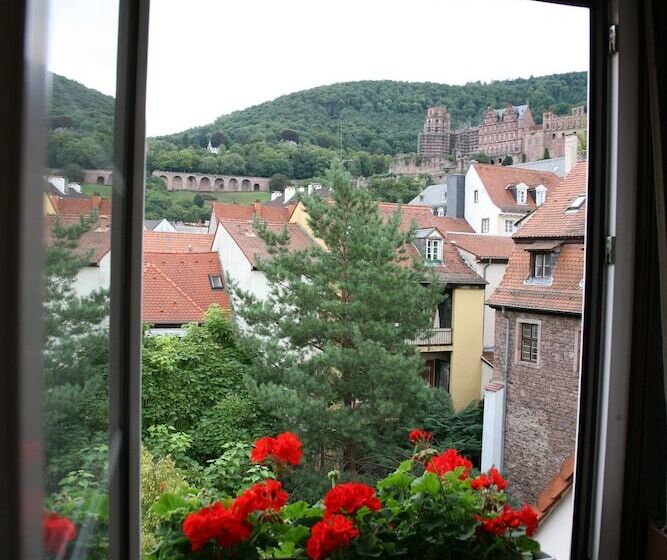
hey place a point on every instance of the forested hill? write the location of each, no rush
(80, 123)
(382, 117)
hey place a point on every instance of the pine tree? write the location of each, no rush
(332, 359)
(75, 357)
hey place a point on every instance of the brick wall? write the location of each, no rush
(541, 413)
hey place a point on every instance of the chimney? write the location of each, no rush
(289, 193)
(310, 188)
(571, 147)
(456, 188)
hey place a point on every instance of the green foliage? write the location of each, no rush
(330, 359)
(507, 160)
(278, 181)
(198, 200)
(546, 154)
(197, 385)
(75, 357)
(480, 157)
(396, 189)
(73, 172)
(233, 471)
(159, 204)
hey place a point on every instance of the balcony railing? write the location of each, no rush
(435, 337)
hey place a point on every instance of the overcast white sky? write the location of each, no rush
(211, 57)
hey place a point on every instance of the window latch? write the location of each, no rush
(613, 39)
(610, 249)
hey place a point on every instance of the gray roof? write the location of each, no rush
(555, 165)
(521, 109)
(433, 195)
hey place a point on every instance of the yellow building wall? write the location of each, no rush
(49, 209)
(465, 369)
(300, 216)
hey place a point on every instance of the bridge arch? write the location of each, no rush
(164, 179)
(191, 183)
(177, 182)
(245, 185)
(255, 187)
(233, 184)
(204, 184)
(100, 180)
(219, 184)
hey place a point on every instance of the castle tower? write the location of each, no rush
(436, 140)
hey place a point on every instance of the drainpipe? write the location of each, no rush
(505, 368)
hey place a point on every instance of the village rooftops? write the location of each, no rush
(484, 247)
(92, 245)
(253, 247)
(177, 242)
(277, 214)
(81, 205)
(556, 489)
(422, 217)
(500, 180)
(179, 287)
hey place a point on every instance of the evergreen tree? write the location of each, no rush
(75, 356)
(546, 154)
(332, 358)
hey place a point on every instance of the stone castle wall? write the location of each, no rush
(176, 181)
(541, 419)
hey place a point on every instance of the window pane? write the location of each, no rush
(77, 236)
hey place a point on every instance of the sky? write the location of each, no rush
(211, 57)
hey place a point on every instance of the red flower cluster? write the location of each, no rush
(511, 519)
(284, 448)
(448, 461)
(333, 532)
(417, 436)
(486, 480)
(230, 526)
(350, 498)
(58, 533)
(265, 496)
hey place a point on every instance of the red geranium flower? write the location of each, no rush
(333, 532)
(486, 480)
(511, 519)
(418, 435)
(284, 448)
(268, 495)
(350, 498)
(448, 461)
(58, 533)
(216, 523)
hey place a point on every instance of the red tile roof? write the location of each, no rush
(81, 206)
(496, 179)
(94, 244)
(556, 488)
(177, 242)
(484, 247)
(176, 287)
(247, 211)
(553, 219)
(252, 246)
(423, 217)
(563, 295)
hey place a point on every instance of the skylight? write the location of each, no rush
(577, 202)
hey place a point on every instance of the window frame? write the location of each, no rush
(437, 243)
(215, 281)
(533, 339)
(539, 259)
(486, 225)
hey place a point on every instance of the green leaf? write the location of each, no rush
(428, 483)
(527, 544)
(295, 510)
(168, 503)
(399, 479)
(406, 466)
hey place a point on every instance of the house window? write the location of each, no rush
(509, 226)
(485, 225)
(577, 202)
(475, 196)
(437, 376)
(521, 196)
(540, 195)
(529, 342)
(542, 265)
(215, 281)
(434, 250)
(441, 211)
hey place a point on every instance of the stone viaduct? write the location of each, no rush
(176, 181)
(97, 176)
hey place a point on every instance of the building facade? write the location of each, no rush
(438, 139)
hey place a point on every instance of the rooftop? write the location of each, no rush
(433, 195)
(177, 289)
(423, 217)
(177, 242)
(94, 244)
(484, 247)
(278, 214)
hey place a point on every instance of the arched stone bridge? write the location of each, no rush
(176, 181)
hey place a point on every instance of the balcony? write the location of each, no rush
(435, 337)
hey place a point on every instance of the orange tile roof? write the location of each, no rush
(81, 206)
(565, 293)
(94, 244)
(423, 217)
(177, 242)
(252, 246)
(176, 287)
(553, 219)
(556, 488)
(496, 179)
(484, 247)
(247, 211)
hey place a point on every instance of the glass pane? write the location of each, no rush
(77, 185)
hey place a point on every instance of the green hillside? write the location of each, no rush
(80, 123)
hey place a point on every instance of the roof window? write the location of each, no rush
(216, 281)
(577, 203)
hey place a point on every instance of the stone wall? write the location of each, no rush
(176, 181)
(542, 400)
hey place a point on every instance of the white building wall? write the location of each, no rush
(91, 278)
(555, 531)
(236, 265)
(483, 208)
(492, 430)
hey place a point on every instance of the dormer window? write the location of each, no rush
(540, 195)
(434, 250)
(521, 195)
(216, 281)
(577, 203)
(542, 265)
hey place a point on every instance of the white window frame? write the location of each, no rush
(434, 249)
(486, 223)
(509, 225)
(539, 263)
(521, 195)
(475, 196)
